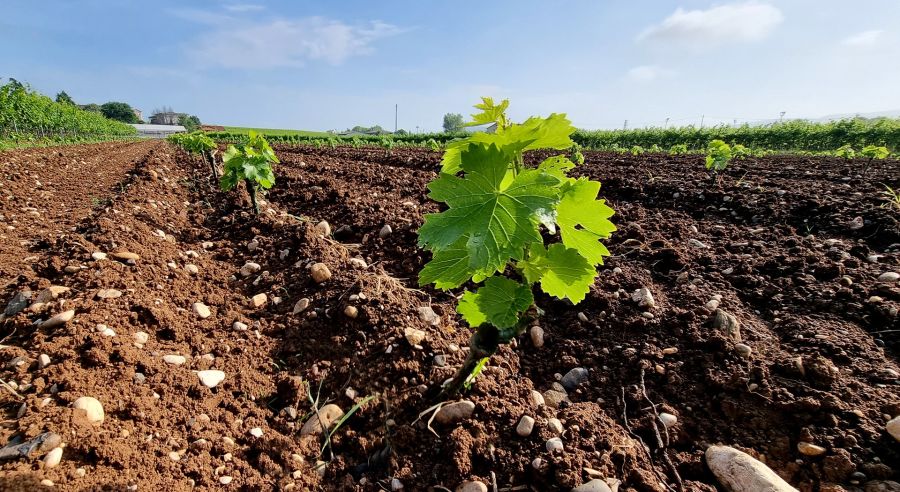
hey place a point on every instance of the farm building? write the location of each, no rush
(158, 131)
(166, 118)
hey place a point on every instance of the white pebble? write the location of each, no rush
(554, 444)
(211, 378)
(174, 359)
(92, 408)
(668, 419)
(525, 427)
(53, 457)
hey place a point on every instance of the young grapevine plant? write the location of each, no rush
(251, 162)
(491, 230)
(717, 155)
(198, 143)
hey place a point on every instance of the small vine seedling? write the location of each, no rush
(718, 154)
(873, 153)
(198, 143)
(251, 162)
(498, 210)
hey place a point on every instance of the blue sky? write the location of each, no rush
(332, 65)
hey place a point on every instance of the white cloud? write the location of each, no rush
(244, 7)
(648, 73)
(865, 39)
(286, 42)
(729, 23)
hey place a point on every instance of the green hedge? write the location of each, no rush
(26, 114)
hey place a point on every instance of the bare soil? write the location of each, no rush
(777, 238)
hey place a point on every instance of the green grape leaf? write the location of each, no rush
(557, 166)
(494, 208)
(499, 302)
(490, 113)
(583, 220)
(561, 271)
(552, 132)
(449, 267)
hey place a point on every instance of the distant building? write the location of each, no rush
(138, 113)
(158, 131)
(166, 118)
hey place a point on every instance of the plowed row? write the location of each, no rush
(774, 237)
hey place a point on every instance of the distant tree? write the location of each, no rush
(189, 122)
(64, 98)
(94, 108)
(16, 84)
(367, 129)
(119, 111)
(401, 132)
(453, 122)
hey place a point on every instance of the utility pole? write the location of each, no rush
(781, 116)
(702, 117)
(666, 125)
(395, 118)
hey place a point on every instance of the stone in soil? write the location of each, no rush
(92, 408)
(53, 458)
(471, 486)
(258, 301)
(810, 449)
(323, 228)
(414, 336)
(210, 378)
(668, 419)
(59, 319)
(644, 298)
(300, 306)
(428, 315)
(739, 472)
(574, 378)
(554, 397)
(329, 414)
(893, 428)
(537, 336)
(595, 485)
(174, 359)
(554, 444)
(889, 277)
(320, 272)
(19, 302)
(50, 293)
(109, 293)
(555, 426)
(249, 268)
(201, 310)
(525, 426)
(125, 256)
(728, 324)
(455, 412)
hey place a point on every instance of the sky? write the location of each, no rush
(322, 65)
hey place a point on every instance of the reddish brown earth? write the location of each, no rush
(779, 242)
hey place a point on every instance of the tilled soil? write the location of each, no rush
(793, 246)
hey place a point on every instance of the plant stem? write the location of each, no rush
(212, 164)
(251, 189)
(483, 344)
